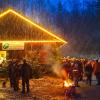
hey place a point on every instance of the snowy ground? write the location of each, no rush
(49, 88)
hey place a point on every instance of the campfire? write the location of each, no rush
(67, 83)
(69, 88)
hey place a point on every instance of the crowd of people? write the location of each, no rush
(76, 69)
(17, 71)
(82, 69)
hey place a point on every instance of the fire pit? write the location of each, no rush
(69, 88)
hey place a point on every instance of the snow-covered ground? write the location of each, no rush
(49, 88)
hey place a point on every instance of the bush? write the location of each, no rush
(3, 72)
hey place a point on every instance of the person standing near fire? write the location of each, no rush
(96, 71)
(65, 69)
(88, 72)
(26, 74)
(17, 74)
(76, 72)
(11, 73)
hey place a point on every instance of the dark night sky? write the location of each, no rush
(78, 21)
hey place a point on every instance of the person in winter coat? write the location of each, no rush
(75, 72)
(16, 75)
(96, 70)
(26, 74)
(88, 72)
(11, 73)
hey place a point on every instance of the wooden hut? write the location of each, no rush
(21, 37)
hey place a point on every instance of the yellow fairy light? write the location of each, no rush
(34, 24)
(44, 41)
(4, 13)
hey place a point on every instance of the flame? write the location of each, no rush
(68, 83)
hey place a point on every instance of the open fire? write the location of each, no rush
(67, 83)
(70, 88)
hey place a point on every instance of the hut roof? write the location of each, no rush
(16, 27)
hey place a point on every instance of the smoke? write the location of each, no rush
(49, 57)
(56, 68)
(56, 64)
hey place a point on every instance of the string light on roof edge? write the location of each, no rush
(34, 24)
(37, 41)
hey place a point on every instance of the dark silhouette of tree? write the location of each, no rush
(98, 8)
(59, 16)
